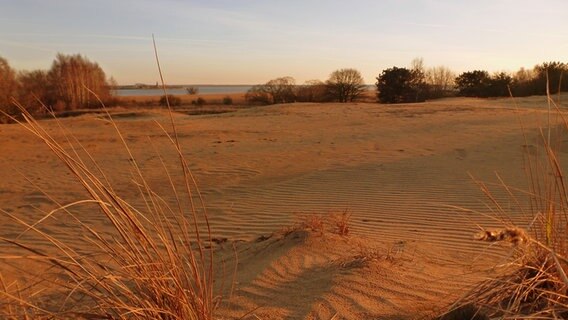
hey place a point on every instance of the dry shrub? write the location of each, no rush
(534, 284)
(338, 222)
(341, 222)
(313, 222)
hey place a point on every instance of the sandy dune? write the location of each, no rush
(403, 171)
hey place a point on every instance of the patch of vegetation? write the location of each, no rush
(173, 101)
(345, 85)
(199, 102)
(227, 101)
(400, 85)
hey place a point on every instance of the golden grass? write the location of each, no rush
(148, 262)
(533, 285)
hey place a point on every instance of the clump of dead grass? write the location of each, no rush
(534, 284)
(342, 222)
(154, 263)
(313, 222)
(338, 223)
(515, 236)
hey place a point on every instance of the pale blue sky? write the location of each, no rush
(252, 41)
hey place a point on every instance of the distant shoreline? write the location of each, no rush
(180, 90)
(173, 86)
(152, 90)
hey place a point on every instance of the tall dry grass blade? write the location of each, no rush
(146, 265)
(535, 285)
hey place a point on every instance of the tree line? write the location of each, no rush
(415, 84)
(72, 82)
(480, 83)
(343, 85)
(75, 82)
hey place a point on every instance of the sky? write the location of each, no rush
(253, 41)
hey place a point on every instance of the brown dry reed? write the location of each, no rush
(533, 285)
(149, 262)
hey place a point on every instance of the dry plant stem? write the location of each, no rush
(187, 173)
(536, 285)
(151, 269)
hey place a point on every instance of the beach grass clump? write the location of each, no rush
(534, 283)
(152, 260)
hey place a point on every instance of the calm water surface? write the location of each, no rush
(183, 91)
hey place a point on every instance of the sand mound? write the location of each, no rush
(303, 274)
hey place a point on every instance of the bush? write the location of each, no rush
(279, 90)
(199, 102)
(258, 95)
(227, 101)
(472, 83)
(312, 91)
(35, 90)
(400, 85)
(173, 100)
(479, 84)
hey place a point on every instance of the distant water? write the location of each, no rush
(203, 89)
(183, 91)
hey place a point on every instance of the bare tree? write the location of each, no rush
(8, 87)
(345, 85)
(258, 95)
(34, 90)
(71, 75)
(282, 89)
(524, 75)
(279, 90)
(441, 80)
(312, 91)
(417, 68)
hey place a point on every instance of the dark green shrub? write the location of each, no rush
(199, 102)
(227, 101)
(400, 85)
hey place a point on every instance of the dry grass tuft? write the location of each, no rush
(338, 223)
(313, 222)
(533, 285)
(515, 236)
(149, 261)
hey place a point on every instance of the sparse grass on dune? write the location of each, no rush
(534, 284)
(156, 262)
